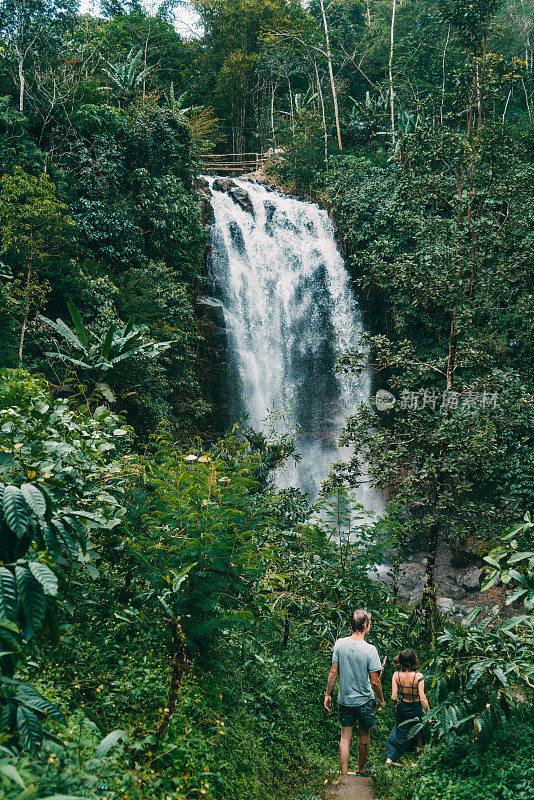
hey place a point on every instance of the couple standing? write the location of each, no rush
(359, 668)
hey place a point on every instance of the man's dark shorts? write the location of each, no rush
(349, 716)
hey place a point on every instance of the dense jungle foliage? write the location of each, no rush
(166, 614)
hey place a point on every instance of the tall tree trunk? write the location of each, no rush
(22, 83)
(272, 115)
(331, 74)
(443, 76)
(390, 69)
(323, 116)
(178, 670)
(26, 310)
(144, 79)
(291, 115)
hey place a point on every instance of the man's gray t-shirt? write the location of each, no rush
(355, 660)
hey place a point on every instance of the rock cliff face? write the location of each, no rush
(210, 318)
(237, 193)
(458, 580)
(204, 194)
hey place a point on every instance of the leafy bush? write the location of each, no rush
(52, 464)
(502, 769)
(478, 675)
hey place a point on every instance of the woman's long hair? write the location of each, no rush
(407, 660)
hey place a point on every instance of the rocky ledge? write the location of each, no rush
(238, 195)
(458, 576)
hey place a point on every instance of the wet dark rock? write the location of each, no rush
(270, 210)
(242, 198)
(389, 554)
(418, 589)
(223, 184)
(207, 216)
(464, 556)
(213, 309)
(471, 580)
(409, 576)
(202, 186)
(459, 610)
(237, 236)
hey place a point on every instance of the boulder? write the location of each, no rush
(223, 184)
(207, 215)
(242, 198)
(445, 604)
(203, 188)
(464, 555)
(459, 610)
(213, 309)
(389, 554)
(421, 558)
(418, 589)
(410, 575)
(471, 580)
(456, 592)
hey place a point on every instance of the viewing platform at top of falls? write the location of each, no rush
(232, 164)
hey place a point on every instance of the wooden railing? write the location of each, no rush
(232, 163)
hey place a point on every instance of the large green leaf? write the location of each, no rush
(30, 729)
(30, 697)
(50, 539)
(106, 347)
(45, 576)
(8, 595)
(110, 741)
(15, 510)
(128, 327)
(12, 773)
(79, 327)
(34, 498)
(68, 359)
(64, 331)
(70, 544)
(32, 600)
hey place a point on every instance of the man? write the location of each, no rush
(359, 668)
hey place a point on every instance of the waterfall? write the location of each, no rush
(289, 308)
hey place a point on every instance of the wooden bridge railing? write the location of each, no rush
(232, 163)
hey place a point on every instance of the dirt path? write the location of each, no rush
(350, 787)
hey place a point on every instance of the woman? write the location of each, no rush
(410, 685)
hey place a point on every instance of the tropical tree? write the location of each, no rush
(95, 357)
(126, 77)
(33, 29)
(34, 227)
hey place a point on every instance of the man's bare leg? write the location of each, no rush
(344, 749)
(363, 748)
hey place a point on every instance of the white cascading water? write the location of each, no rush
(289, 308)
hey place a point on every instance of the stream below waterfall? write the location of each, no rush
(289, 308)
